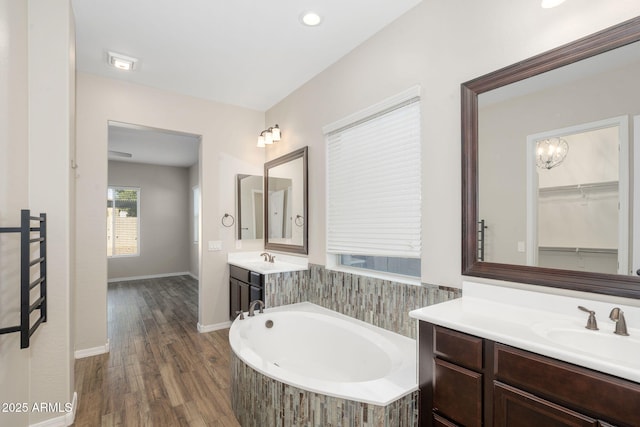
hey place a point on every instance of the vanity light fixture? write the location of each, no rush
(269, 136)
(121, 62)
(551, 152)
(548, 4)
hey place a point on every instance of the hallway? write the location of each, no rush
(160, 371)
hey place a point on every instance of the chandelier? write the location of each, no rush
(551, 152)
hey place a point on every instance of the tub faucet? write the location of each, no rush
(621, 325)
(252, 307)
(268, 257)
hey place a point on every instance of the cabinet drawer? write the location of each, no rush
(457, 393)
(613, 399)
(459, 348)
(516, 407)
(246, 276)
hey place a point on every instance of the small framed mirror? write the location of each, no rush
(286, 203)
(250, 198)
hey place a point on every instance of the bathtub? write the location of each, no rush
(325, 353)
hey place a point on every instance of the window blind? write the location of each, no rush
(374, 184)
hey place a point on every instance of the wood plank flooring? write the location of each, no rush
(160, 371)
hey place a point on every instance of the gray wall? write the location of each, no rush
(165, 238)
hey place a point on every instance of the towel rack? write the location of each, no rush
(27, 239)
(481, 239)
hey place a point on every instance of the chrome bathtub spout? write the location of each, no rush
(252, 307)
(617, 316)
(268, 257)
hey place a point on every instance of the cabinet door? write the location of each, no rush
(234, 297)
(516, 408)
(255, 294)
(457, 393)
(244, 296)
(438, 421)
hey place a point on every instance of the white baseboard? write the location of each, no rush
(193, 276)
(94, 351)
(214, 327)
(150, 276)
(63, 420)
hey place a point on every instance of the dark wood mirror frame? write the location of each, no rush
(610, 284)
(300, 249)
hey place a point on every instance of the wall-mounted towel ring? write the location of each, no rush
(226, 222)
(299, 220)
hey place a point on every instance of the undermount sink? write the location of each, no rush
(602, 343)
(255, 262)
(262, 265)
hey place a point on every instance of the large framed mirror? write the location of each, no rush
(550, 192)
(286, 203)
(250, 200)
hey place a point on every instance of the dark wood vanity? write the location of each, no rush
(245, 286)
(470, 381)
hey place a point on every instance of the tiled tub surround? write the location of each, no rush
(382, 303)
(273, 385)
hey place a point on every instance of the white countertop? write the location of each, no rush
(523, 319)
(253, 261)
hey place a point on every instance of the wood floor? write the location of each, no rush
(159, 371)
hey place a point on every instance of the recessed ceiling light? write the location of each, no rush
(121, 62)
(311, 19)
(548, 4)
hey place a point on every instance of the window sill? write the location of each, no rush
(376, 275)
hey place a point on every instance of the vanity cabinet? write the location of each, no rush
(470, 381)
(245, 286)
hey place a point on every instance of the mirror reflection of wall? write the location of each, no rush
(250, 207)
(280, 199)
(589, 91)
(286, 201)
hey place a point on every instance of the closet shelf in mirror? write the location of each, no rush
(574, 249)
(593, 187)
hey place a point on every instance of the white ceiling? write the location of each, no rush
(249, 53)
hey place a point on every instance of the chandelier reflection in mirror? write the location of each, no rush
(551, 152)
(269, 136)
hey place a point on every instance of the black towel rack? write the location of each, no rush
(28, 236)
(481, 239)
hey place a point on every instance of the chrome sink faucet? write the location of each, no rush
(617, 316)
(252, 307)
(268, 257)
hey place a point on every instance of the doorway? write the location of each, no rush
(161, 168)
(578, 207)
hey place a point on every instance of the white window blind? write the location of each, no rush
(374, 183)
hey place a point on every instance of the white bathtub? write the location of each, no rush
(322, 351)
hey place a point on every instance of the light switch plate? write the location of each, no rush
(215, 245)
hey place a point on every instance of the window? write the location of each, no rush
(374, 188)
(123, 221)
(196, 214)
